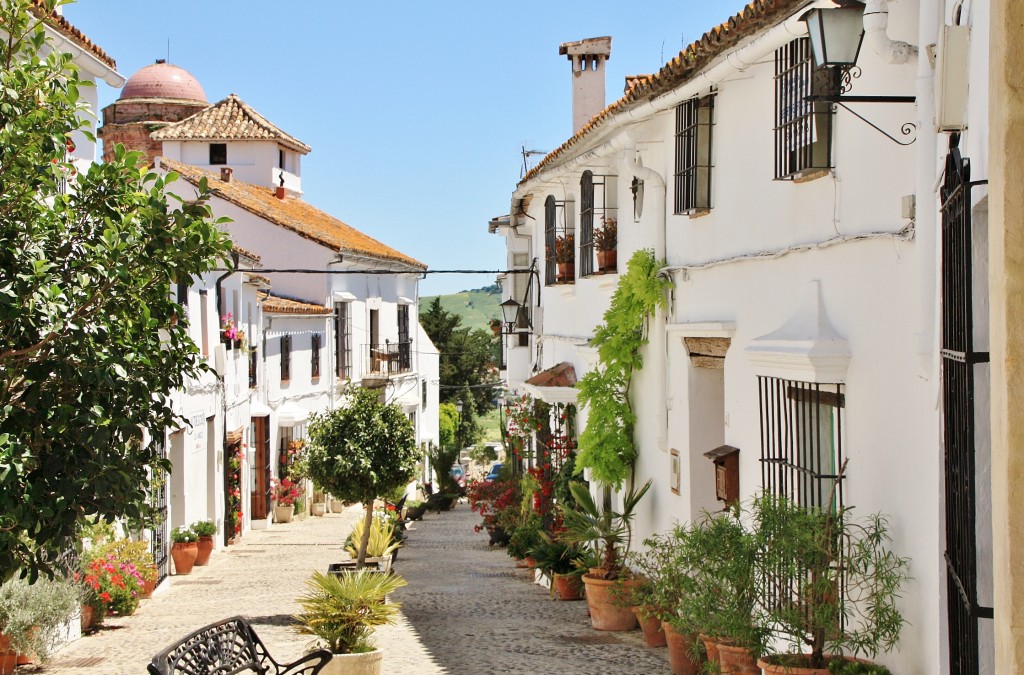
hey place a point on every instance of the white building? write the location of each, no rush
(335, 308)
(804, 250)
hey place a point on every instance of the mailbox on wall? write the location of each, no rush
(727, 473)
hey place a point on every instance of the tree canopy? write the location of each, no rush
(90, 345)
(361, 450)
(467, 359)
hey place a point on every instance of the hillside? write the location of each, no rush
(476, 307)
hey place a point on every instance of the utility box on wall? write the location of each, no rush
(727, 473)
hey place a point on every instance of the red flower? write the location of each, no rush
(105, 597)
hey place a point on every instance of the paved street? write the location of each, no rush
(466, 609)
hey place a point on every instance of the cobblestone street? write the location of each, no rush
(467, 609)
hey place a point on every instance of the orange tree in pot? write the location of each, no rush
(362, 450)
(843, 578)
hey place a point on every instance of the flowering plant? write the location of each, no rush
(565, 248)
(286, 493)
(497, 502)
(228, 328)
(607, 237)
(111, 585)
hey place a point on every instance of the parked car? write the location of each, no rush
(493, 473)
(458, 472)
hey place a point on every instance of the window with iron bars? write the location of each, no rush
(803, 129)
(315, 355)
(595, 194)
(342, 341)
(557, 227)
(801, 441)
(286, 358)
(694, 122)
(253, 365)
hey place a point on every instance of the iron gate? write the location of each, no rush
(958, 381)
(158, 539)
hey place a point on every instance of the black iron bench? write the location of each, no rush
(229, 647)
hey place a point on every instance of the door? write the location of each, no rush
(260, 497)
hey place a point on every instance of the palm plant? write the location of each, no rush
(608, 532)
(342, 611)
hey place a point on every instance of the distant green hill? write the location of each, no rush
(476, 307)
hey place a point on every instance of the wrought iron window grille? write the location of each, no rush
(693, 160)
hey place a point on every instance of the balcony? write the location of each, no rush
(388, 359)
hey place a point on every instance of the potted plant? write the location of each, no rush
(185, 549)
(608, 533)
(561, 562)
(319, 506)
(362, 450)
(525, 537)
(382, 545)
(717, 557)
(844, 581)
(342, 612)
(139, 556)
(32, 617)
(606, 240)
(286, 494)
(204, 530)
(565, 257)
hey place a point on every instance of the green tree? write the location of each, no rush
(468, 363)
(361, 451)
(90, 345)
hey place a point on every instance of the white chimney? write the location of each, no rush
(587, 57)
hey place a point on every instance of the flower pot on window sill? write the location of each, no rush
(566, 272)
(607, 261)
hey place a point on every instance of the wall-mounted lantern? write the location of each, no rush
(836, 34)
(509, 316)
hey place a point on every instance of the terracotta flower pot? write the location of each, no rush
(566, 272)
(567, 586)
(737, 661)
(205, 549)
(711, 647)
(605, 614)
(8, 658)
(792, 665)
(184, 555)
(607, 261)
(654, 635)
(679, 651)
(283, 514)
(530, 562)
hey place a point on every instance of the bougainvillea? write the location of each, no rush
(234, 512)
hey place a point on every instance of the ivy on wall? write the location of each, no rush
(606, 446)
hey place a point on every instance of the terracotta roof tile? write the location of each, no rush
(277, 304)
(690, 61)
(258, 277)
(245, 252)
(231, 119)
(293, 214)
(562, 375)
(65, 28)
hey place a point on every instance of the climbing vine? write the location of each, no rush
(606, 446)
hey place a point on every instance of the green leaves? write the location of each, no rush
(606, 445)
(90, 255)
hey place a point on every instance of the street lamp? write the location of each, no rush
(458, 425)
(836, 34)
(510, 315)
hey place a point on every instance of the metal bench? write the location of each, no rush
(229, 647)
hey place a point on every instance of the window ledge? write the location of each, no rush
(811, 174)
(698, 213)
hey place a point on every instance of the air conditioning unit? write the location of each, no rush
(951, 78)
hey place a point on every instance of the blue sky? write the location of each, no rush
(416, 111)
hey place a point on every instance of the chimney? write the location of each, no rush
(280, 192)
(587, 57)
(225, 173)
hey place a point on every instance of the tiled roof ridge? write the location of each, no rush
(293, 305)
(234, 105)
(688, 62)
(66, 28)
(293, 214)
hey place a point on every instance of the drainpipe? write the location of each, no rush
(926, 221)
(876, 25)
(654, 189)
(224, 395)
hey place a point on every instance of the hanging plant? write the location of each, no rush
(606, 446)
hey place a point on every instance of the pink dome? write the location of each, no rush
(162, 80)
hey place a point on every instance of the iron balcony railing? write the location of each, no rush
(390, 358)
